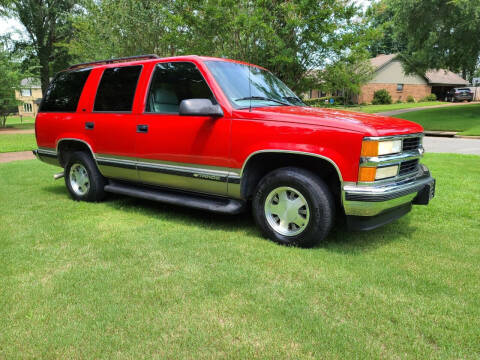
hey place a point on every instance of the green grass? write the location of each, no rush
(17, 142)
(391, 107)
(134, 279)
(14, 122)
(464, 119)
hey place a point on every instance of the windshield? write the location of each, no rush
(265, 88)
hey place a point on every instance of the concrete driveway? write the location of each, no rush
(451, 145)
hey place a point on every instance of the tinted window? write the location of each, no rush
(117, 89)
(64, 91)
(174, 82)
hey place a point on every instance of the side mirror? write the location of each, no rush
(200, 107)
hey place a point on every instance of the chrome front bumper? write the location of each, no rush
(372, 200)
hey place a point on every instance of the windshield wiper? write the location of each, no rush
(293, 98)
(263, 98)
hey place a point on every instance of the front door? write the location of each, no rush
(182, 152)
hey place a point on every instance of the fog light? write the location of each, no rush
(386, 172)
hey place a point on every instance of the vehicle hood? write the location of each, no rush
(369, 124)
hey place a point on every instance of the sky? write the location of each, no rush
(14, 27)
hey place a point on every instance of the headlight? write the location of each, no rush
(376, 148)
(368, 174)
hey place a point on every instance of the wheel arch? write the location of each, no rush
(260, 163)
(66, 145)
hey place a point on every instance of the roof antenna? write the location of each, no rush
(249, 69)
(249, 87)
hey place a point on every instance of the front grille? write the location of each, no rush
(407, 167)
(412, 143)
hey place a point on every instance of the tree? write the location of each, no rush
(288, 37)
(380, 18)
(436, 33)
(47, 25)
(347, 76)
(9, 81)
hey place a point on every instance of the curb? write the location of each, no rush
(449, 134)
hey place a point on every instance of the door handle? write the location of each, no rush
(89, 125)
(142, 128)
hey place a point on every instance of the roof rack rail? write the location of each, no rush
(114, 61)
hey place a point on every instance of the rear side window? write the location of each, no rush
(117, 89)
(174, 82)
(64, 91)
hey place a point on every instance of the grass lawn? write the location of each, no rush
(391, 107)
(14, 122)
(17, 142)
(464, 119)
(134, 279)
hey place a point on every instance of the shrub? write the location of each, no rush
(431, 97)
(410, 99)
(322, 101)
(399, 101)
(381, 97)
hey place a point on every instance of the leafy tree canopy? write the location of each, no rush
(47, 24)
(431, 33)
(9, 81)
(288, 37)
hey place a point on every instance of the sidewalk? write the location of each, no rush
(402, 111)
(14, 156)
(17, 131)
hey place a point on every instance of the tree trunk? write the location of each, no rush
(44, 71)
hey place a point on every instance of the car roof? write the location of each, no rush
(143, 59)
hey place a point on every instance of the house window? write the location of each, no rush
(399, 87)
(26, 92)
(27, 107)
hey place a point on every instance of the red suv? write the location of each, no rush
(218, 134)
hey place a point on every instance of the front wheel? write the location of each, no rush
(83, 179)
(293, 206)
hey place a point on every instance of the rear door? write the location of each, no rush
(112, 124)
(182, 152)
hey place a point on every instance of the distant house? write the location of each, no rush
(389, 74)
(30, 95)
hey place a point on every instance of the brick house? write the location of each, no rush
(30, 95)
(390, 75)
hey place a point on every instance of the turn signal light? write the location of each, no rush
(367, 174)
(369, 149)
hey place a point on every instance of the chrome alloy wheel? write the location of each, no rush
(79, 180)
(287, 211)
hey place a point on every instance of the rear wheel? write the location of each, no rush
(83, 180)
(293, 206)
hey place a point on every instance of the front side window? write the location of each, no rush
(26, 92)
(173, 82)
(247, 85)
(117, 89)
(64, 91)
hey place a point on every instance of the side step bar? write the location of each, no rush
(209, 203)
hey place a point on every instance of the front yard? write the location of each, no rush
(134, 279)
(381, 108)
(15, 122)
(17, 142)
(465, 119)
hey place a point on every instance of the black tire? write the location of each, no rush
(82, 161)
(321, 206)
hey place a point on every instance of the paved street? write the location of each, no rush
(451, 145)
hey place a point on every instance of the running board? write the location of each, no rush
(202, 202)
